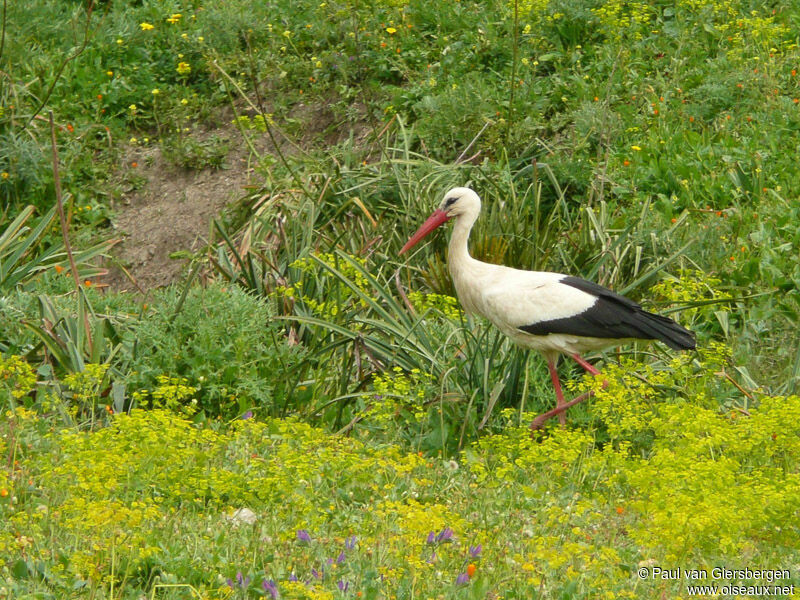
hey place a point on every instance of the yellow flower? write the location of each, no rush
(132, 108)
(110, 73)
(637, 148)
(391, 30)
(155, 92)
(201, 39)
(184, 101)
(184, 68)
(119, 41)
(4, 175)
(174, 18)
(144, 26)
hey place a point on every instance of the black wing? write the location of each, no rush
(614, 317)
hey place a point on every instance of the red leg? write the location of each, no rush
(551, 365)
(586, 365)
(562, 406)
(558, 410)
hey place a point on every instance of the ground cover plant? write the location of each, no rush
(304, 415)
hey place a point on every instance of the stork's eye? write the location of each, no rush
(449, 202)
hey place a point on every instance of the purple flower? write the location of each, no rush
(431, 538)
(445, 535)
(270, 588)
(340, 558)
(247, 415)
(293, 577)
(303, 536)
(317, 574)
(462, 579)
(433, 558)
(241, 581)
(475, 551)
(350, 542)
(342, 585)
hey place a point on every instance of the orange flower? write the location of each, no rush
(87, 283)
(70, 128)
(691, 119)
(673, 220)
(134, 164)
(99, 96)
(626, 162)
(471, 568)
(794, 72)
(59, 269)
(620, 510)
(796, 100)
(3, 492)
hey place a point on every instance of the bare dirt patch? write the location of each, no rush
(170, 213)
(173, 208)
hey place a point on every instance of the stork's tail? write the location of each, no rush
(665, 330)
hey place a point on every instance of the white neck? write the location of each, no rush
(458, 257)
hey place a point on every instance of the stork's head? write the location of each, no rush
(459, 202)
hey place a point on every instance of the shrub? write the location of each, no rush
(223, 342)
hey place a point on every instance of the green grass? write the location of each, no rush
(305, 372)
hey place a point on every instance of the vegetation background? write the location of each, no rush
(218, 380)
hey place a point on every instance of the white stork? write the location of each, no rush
(549, 312)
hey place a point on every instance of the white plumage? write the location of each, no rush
(549, 312)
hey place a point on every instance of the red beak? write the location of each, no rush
(435, 220)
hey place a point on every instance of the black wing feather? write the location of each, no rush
(614, 317)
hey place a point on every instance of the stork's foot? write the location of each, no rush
(539, 421)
